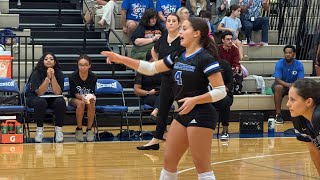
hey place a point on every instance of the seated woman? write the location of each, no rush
(146, 34)
(148, 88)
(106, 10)
(47, 79)
(82, 88)
(232, 23)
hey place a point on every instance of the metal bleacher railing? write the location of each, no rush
(23, 52)
(298, 23)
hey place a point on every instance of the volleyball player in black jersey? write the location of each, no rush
(192, 70)
(304, 106)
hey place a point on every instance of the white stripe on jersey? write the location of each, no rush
(168, 59)
(211, 67)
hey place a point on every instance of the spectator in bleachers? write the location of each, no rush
(166, 7)
(106, 10)
(148, 88)
(194, 7)
(46, 84)
(168, 43)
(230, 53)
(223, 6)
(206, 14)
(286, 72)
(232, 23)
(251, 19)
(224, 104)
(82, 88)
(132, 12)
(183, 14)
(146, 34)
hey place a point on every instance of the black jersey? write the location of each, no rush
(77, 85)
(191, 73)
(306, 131)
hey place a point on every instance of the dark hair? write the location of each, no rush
(201, 25)
(226, 33)
(289, 46)
(205, 14)
(148, 56)
(308, 88)
(176, 15)
(84, 56)
(233, 7)
(40, 66)
(147, 15)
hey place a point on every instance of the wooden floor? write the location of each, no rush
(247, 159)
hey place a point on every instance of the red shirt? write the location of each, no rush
(231, 55)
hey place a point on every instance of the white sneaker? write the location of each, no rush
(39, 135)
(59, 134)
(224, 136)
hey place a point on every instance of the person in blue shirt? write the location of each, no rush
(251, 19)
(131, 13)
(287, 71)
(166, 7)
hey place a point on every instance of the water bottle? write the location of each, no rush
(271, 124)
(11, 127)
(4, 128)
(19, 128)
(263, 90)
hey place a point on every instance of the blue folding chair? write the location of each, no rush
(112, 88)
(145, 110)
(30, 111)
(9, 87)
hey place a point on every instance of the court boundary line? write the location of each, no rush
(241, 159)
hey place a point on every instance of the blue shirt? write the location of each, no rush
(136, 8)
(235, 24)
(168, 6)
(254, 10)
(289, 73)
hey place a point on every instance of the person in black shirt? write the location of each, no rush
(148, 87)
(146, 34)
(304, 106)
(82, 85)
(168, 43)
(224, 104)
(192, 70)
(47, 79)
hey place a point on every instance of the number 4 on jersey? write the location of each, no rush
(178, 77)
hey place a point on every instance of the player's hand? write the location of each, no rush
(187, 106)
(112, 57)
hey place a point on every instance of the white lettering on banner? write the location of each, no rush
(12, 138)
(66, 84)
(112, 85)
(7, 84)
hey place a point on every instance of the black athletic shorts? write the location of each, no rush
(202, 115)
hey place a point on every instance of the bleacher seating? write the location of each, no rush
(66, 42)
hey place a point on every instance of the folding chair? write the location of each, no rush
(71, 109)
(145, 109)
(30, 111)
(111, 88)
(9, 87)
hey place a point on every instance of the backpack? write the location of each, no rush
(7, 37)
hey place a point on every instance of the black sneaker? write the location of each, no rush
(279, 119)
(224, 136)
